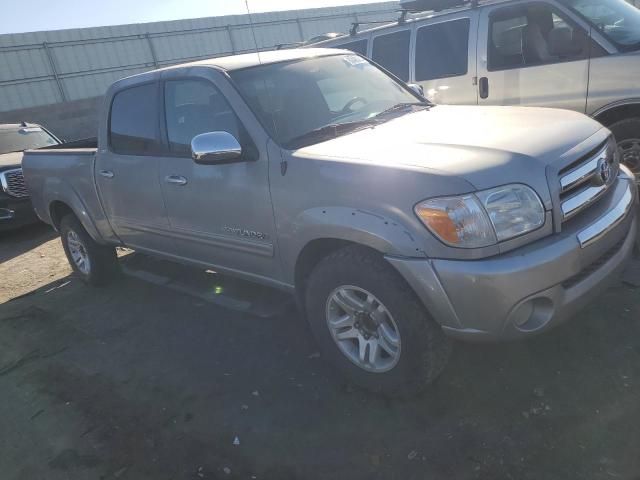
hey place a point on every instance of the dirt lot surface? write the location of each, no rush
(135, 381)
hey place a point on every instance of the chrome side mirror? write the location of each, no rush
(417, 88)
(215, 147)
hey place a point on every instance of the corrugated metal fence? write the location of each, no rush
(50, 67)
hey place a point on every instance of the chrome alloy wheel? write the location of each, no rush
(78, 252)
(630, 155)
(363, 329)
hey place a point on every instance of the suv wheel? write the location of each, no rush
(95, 264)
(371, 326)
(627, 134)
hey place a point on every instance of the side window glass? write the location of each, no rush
(193, 107)
(533, 35)
(392, 52)
(434, 61)
(359, 46)
(133, 124)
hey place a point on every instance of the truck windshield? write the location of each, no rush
(306, 101)
(615, 19)
(24, 138)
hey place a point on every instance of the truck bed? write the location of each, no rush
(67, 175)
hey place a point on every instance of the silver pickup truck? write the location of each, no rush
(397, 224)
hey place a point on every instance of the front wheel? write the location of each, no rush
(371, 326)
(95, 264)
(627, 135)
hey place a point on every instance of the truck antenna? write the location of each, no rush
(253, 30)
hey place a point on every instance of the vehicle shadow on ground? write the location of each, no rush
(140, 380)
(16, 242)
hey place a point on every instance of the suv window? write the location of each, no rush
(359, 46)
(434, 61)
(193, 107)
(133, 124)
(392, 52)
(534, 34)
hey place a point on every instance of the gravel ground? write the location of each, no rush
(135, 381)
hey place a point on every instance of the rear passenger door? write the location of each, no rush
(534, 54)
(445, 58)
(127, 169)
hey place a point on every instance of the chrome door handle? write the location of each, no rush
(106, 173)
(175, 180)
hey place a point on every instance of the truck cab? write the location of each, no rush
(581, 55)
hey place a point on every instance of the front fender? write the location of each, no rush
(382, 233)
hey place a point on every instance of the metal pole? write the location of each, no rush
(152, 49)
(231, 41)
(300, 29)
(52, 64)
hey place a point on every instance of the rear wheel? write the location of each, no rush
(627, 134)
(95, 264)
(371, 326)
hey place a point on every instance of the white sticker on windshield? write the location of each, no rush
(354, 60)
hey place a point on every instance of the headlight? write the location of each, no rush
(484, 218)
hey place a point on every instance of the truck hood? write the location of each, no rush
(13, 159)
(486, 146)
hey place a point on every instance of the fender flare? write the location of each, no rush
(387, 235)
(613, 105)
(56, 190)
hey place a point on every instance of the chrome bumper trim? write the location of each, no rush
(607, 222)
(6, 214)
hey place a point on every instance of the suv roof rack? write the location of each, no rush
(418, 6)
(412, 6)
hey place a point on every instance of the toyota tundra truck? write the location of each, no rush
(397, 224)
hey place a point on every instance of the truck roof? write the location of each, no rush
(246, 60)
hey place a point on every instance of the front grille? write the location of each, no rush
(584, 182)
(593, 267)
(13, 183)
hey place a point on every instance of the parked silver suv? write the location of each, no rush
(582, 55)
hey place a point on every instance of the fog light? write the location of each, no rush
(533, 314)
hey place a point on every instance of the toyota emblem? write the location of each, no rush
(603, 174)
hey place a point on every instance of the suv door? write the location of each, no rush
(127, 169)
(220, 215)
(532, 53)
(445, 58)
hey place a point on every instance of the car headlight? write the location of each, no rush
(484, 218)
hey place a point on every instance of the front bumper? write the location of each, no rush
(16, 212)
(531, 289)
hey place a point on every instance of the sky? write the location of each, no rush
(36, 15)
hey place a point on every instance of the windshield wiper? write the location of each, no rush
(327, 132)
(403, 106)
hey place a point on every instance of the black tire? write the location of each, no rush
(425, 349)
(624, 131)
(103, 261)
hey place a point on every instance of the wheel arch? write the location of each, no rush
(615, 112)
(58, 209)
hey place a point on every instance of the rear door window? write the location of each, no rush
(442, 50)
(134, 121)
(392, 52)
